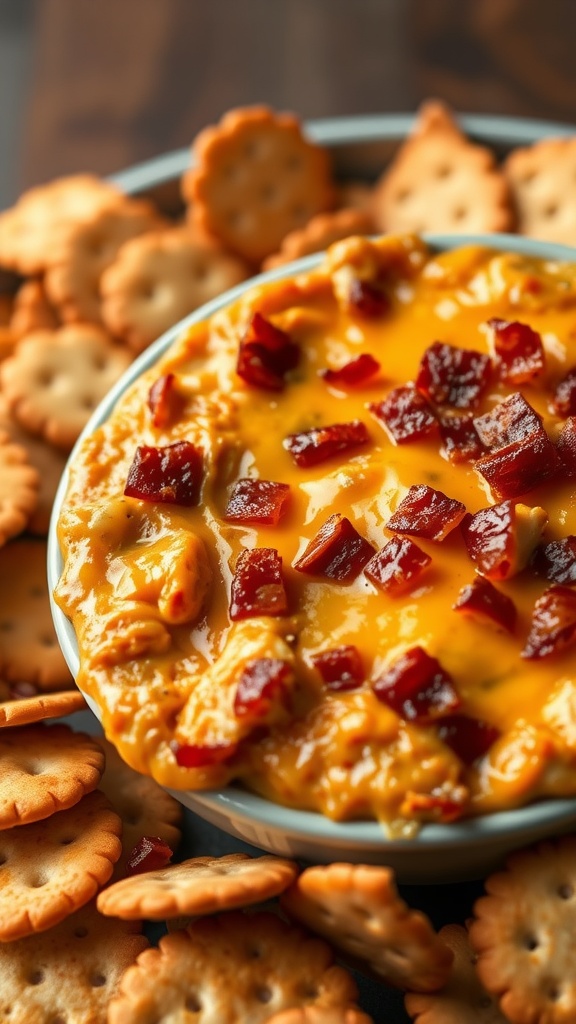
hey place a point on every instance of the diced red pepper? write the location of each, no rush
(195, 755)
(397, 565)
(337, 552)
(262, 683)
(469, 738)
(482, 600)
(266, 354)
(172, 474)
(453, 376)
(510, 421)
(150, 854)
(426, 512)
(257, 501)
(566, 447)
(564, 397)
(164, 401)
(341, 668)
(460, 441)
(357, 371)
(519, 350)
(405, 414)
(490, 537)
(553, 625)
(367, 299)
(310, 447)
(417, 688)
(556, 561)
(520, 467)
(257, 585)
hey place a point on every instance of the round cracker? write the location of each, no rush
(19, 485)
(32, 310)
(542, 179)
(28, 710)
(231, 968)
(201, 885)
(358, 907)
(43, 769)
(321, 1015)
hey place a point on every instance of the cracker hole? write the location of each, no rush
(37, 592)
(6, 627)
(253, 149)
(193, 1004)
(443, 171)
(293, 162)
(530, 942)
(35, 977)
(403, 195)
(3, 859)
(264, 994)
(553, 993)
(550, 210)
(268, 193)
(528, 177)
(200, 272)
(67, 840)
(300, 212)
(310, 992)
(45, 378)
(460, 213)
(254, 953)
(47, 641)
(81, 932)
(59, 1019)
(97, 980)
(566, 891)
(38, 882)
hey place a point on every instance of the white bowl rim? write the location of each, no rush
(233, 801)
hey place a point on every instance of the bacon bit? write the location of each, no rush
(262, 682)
(310, 447)
(431, 807)
(397, 565)
(341, 668)
(508, 422)
(337, 551)
(564, 397)
(257, 585)
(520, 467)
(482, 600)
(257, 501)
(367, 299)
(164, 402)
(172, 475)
(460, 439)
(500, 539)
(556, 561)
(566, 447)
(426, 512)
(194, 755)
(469, 738)
(357, 371)
(519, 350)
(417, 688)
(553, 626)
(453, 376)
(150, 854)
(266, 354)
(405, 414)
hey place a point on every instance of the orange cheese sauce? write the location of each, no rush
(164, 671)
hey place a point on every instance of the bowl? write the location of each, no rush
(440, 852)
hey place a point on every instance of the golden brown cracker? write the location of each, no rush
(32, 309)
(256, 177)
(19, 486)
(542, 180)
(201, 885)
(358, 907)
(38, 708)
(321, 1015)
(320, 232)
(231, 968)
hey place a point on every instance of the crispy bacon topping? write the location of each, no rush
(519, 351)
(341, 667)
(453, 376)
(469, 738)
(262, 683)
(367, 299)
(566, 447)
(521, 455)
(357, 371)
(426, 512)
(564, 397)
(553, 625)
(460, 441)
(397, 565)
(405, 415)
(265, 355)
(500, 539)
(510, 421)
(172, 474)
(417, 688)
(556, 561)
(337, 552)
(482, 600)
(310, 447)
(164, 401)
(257, 585)
(257, 501)
(194, 755)
(150, 854)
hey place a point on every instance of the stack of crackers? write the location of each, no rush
(92, 277)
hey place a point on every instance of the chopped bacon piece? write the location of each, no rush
(432, 806)
(426, 512)
(469, 738)
(172, 474)
(368, 299)
(508, 422)
(519, 350)
(482, 600)
(337, 551)
(150, 854)
(310, 447)
(262, 682)
(194, 755)
(556, 560)
(341, 667)
(564, 397)
(520, 467)
(164, 402)
(257, 585)
(500, 539)
(397, 565)
(566, 447)
(460, 441)
(357, 371)
(417, 688)
(257, 501)
(405, 414)
(453, 376)
(266, 354)
(553, 625)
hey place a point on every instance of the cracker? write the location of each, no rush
(523, 934)
(29, 649)
(542, 180)
(48, 461)
(256, 177)
(158, 279)
(358, 907)
(28, 710)
(463, 1000)
(50, 869)
(55, 379)
(43, 769)
(230, 968)
(19, 485)
(321, 1015)
(201, 885)
(32, 310)
(67, 975)
(319, 233)
(440, 181)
